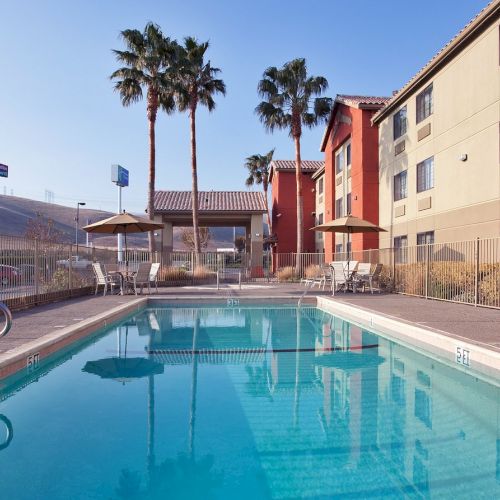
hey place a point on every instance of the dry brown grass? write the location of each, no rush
(170, 273)
(286, 274)
(201, 272)
(313, 271)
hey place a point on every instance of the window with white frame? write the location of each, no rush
(348, 154)
(348, 204)
(400, 249)
(320, 186)
(424, 104)
(338, 208)
(338, 248)
(426, 238)
(399, 123)
(400, 185)
(339, 162)
(425, 175)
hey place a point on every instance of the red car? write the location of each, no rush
(9, 275)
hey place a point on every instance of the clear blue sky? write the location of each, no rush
(62, 126)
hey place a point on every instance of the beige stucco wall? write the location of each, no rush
(465, 200)
(320, 209)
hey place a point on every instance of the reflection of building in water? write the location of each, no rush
(434, 422)
(225, 335)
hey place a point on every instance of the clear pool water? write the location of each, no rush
(254, 402)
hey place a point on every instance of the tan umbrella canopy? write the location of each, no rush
(349, 225)
(123, 224)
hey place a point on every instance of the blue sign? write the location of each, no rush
(4, 170)
(119, 175)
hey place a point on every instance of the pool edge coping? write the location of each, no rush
(484, 360)
(16, 359)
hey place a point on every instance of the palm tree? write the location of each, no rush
(149, 62)
(197, 84)
(258, 168)
(290, 103)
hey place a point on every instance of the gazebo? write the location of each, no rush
(216, 209)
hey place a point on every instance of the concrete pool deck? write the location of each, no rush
(479, 326)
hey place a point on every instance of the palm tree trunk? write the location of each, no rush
(300, 205)
(194, 193)
(267, 211)
(152, 174)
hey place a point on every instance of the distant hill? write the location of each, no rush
(15, 212)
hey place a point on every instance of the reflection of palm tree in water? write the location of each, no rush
(180, 477)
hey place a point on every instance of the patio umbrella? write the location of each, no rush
(123, 369)
(349, 225)
(123, 223)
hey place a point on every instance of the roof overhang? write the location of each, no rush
(482, 22)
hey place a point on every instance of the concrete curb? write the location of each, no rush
(33, 352)
(439, 345)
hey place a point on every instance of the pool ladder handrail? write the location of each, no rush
(8, 319)
(309, 285)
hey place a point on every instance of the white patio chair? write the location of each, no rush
(338, 276)
(153, 274)
(370, 278)
(140, 278)
(102, 278)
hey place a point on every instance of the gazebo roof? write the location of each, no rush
(210, 201)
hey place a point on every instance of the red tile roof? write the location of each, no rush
(210, 201)
(354, 101)
(289, 165)
(456, 44)
(360, 101)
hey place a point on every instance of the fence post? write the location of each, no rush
(427, 247)
(37, 271)
(70, 266)
(476, 272)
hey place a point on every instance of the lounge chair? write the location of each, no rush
(153, 274)
(140, 278)
(102, 278)
(369, 278)
(338, 276)
(324, 277)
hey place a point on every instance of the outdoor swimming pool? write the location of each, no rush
(250, 402)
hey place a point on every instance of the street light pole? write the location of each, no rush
(77, 219)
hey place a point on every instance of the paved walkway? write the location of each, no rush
(478, 325)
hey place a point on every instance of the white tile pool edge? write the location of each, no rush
(17, 359)
(432, 343)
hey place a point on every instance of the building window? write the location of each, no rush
(424, 104)
(399, 123)
(320, 186)
(338, 248)
(425, 175)
(338, 208)
(348, 155)
(400, 186)
(348, 203)
(320, 219)
(348, 245)
(339, 162)
(426, 238)
(400, 249)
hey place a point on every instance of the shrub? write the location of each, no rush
(201, 272)
(169, 273)
(312, 271)
(60, 281)
(489, 288)
(286, 274)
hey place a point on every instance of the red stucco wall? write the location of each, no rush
(284, 202)
(364, 174)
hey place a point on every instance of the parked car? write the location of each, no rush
(9, 275)
(77, 262)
